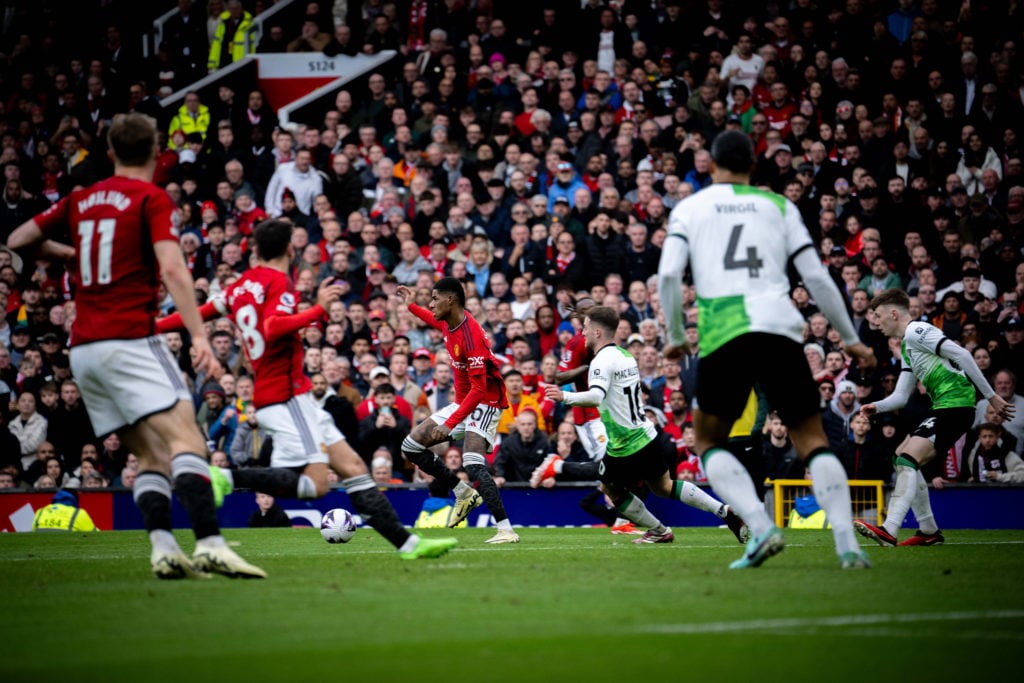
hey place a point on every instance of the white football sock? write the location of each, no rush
(902, 496)
(694, 496)
(635, 511)
(922, 507)
(832, 491)
(731, 481)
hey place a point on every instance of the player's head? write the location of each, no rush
(132, 139)
(581, 305)
(733, 151)
(447, 294)
(600, 325)
(272, 239)
(890, 307)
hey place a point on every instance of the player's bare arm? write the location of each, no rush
(179, 285)
(570, 376)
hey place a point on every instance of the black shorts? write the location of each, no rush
(776, 363)
(647, 464)
(944, 427)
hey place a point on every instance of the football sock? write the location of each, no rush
(375, 509)
(731, 481)
(479, 474)
(152, 494)
(428, 461)
(633, 509)
(832, 491)
(581, 471)
(192, 484)
(505, 525)
(922, 507)
(277, 481)
(903, 494)
(593, 504)
(694, 496)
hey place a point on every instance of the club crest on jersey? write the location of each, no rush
(457, 350)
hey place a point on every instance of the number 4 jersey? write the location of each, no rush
(741, 240)
(113, 226)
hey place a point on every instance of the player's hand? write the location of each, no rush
(868, 409)
(548, 483)
(554, 393)
(328, 292)
(440, 432)
(674, 354)
(405, 294)
(939, 482)
(202, 356)
(864, 354)
(1003, 407)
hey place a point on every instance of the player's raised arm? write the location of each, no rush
(407, 296)
(180, 286)
(283, 320)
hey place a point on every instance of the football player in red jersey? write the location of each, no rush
(263, 304)
(480, 398)
(125, 241)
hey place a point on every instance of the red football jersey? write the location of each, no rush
(574, 355)
(472, 362)
(113, 226)
(252, 301)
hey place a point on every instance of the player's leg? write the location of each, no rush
(374, 507)
(298, 464)
(480, 435)
(191, 476)
(416, 447)
(615, 472)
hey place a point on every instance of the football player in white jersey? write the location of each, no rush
(949, 375)
(635, 452)
(738, 241)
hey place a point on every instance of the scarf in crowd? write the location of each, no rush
(563, 262)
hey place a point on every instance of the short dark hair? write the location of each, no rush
(733, 151)
(384, 388)
(891, 297)
(272, 238)
(450, 285)
(605, 316)
(132, 137)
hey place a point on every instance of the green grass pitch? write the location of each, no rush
(568, 605)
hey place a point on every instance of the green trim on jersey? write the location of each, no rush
(946, 385)
(623, 441)
(721, 320)
(777, 199)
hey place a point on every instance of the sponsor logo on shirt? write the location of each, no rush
(476, 362)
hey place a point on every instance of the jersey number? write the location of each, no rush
(105, 248)
(752, 263)
(636, 406)
(246, 318)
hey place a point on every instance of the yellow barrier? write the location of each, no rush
(866, 496)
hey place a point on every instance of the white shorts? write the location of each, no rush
(123, 381)
(301, 431)
(594, 438)
(482, 420)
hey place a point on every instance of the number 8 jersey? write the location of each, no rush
(113, 226)
(740, 242)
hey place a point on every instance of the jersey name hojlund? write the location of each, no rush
(107, 198)
(749, 207)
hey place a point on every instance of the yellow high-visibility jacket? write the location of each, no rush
(242, 43)
(182, 121)
(58, 517)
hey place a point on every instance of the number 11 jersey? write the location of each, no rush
(113, 226)
(741, 240)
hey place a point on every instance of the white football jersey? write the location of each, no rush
(615, 372)
(740, 242)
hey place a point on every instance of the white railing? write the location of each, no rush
(152, 40)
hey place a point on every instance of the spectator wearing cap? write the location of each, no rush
(565, 184)
(845, 404)
(1010, 353)
(518, 401)
(422, 371)
(63, 514)
(778, 167)
(881, 277)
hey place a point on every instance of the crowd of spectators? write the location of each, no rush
(534, 151)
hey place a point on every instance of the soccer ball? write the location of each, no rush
(338, 526)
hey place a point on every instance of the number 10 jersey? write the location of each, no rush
(614, 371)
(740, 241)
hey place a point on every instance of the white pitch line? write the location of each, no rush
(818, 622)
